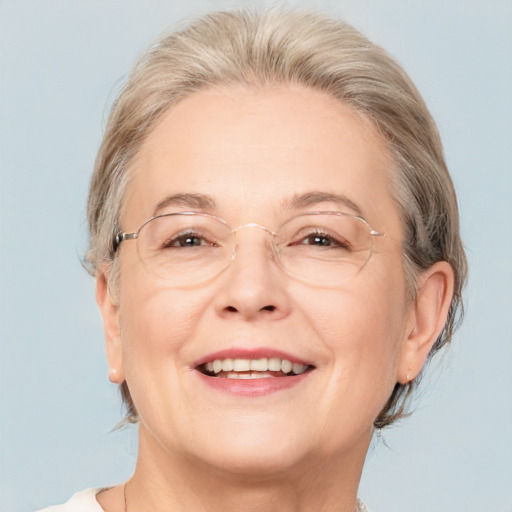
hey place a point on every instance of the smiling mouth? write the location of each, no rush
(262, 368)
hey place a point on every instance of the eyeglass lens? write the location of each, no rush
(322, 248)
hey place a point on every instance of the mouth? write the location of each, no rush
(248, 369)
(250, 373)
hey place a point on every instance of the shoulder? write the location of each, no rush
(83, 501)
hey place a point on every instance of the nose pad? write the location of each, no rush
(270, 245)
(266, 250)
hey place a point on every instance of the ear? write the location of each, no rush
(110, 313)
(428, 317)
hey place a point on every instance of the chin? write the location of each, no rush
(252, 464)
(255, 450)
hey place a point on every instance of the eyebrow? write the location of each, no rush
(298, 201)
(311, 198)
(199, 201)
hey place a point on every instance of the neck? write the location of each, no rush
(174, 482)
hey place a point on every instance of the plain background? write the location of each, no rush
(61, 64)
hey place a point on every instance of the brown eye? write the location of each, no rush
(323, 240)
(186, 240)
(319, 240)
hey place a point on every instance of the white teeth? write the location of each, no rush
(227, 365)
(286, 366)
(252, 375)
(252, 367)
(298, 368)
(241, 365)
(274, 364)
(260, 365)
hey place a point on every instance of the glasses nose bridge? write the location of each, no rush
(268, 231)
(253, 225)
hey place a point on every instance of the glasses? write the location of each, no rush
(189, 248)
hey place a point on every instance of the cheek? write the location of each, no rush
(156, 321)
(158, 327)
(362, 327)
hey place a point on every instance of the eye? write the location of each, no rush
(319, 240)
(322, 238)
(187, 239)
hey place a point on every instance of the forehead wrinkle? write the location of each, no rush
(187, 200)
(298, 201)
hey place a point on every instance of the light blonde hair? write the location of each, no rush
(280, 46)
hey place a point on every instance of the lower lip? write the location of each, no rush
(253, 387)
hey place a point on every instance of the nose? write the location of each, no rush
(253, 287)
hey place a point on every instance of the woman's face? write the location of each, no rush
(250, 152)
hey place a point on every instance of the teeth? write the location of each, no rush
(227, 365)
(253, 368)
(274, 364)
(241, 365)
(260, 365)
(298, 368)
(247, 376)
(286, 366)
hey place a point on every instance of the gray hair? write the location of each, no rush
(280, 46)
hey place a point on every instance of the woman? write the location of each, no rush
(274, 236)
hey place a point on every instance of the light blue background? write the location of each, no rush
(61, 63)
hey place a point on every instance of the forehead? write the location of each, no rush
(253, 149)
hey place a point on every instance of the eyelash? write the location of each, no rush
(174, 242)
(304, 237)
(321, 234)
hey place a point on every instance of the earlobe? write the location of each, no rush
(430, 311)
(110, 313)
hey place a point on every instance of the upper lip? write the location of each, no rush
(249, 353)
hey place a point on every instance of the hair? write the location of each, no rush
(281, 46)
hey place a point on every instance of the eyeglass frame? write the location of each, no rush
(123, 236)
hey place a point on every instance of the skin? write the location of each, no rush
(300, 449)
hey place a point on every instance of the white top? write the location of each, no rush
(85, 501)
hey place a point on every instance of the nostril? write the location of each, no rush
(233, 309)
